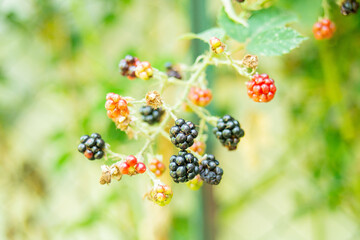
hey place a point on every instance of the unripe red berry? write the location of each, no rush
(198, 147)
(160, 194)
(216, 45)
(200, 97)
(157, 167)
(124, 168)
(116, 106)
(140, 167)
(196, 183)
(324, 29)
(144, 70)
(261, 88)
(131, 160)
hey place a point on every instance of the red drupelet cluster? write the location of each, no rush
(261, 88)
(324, 29)
(200, 97)
(131, 166)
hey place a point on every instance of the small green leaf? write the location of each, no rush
(206, 35)
(275, 42)
(268, 18)
(234, 30)
(259, 21)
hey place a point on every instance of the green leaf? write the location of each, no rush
(268, 18)
(206, 35)
(275, 42)
(259, 21)
(234, 30)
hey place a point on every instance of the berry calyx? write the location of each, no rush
(200, 97)
(131, 160)
(151, 115)
(140, 167)
(216, 45)
(183, 167)
(160, 194)
(198, 147)
(261, 88)
(348, 7)
(182, 135)
(144, 70)
(128, 65)
(229, 132)
(209, 170)
(92, 146)
(324, 29)
(196, 183)
(157, 167)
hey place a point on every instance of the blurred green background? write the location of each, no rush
(296, 174)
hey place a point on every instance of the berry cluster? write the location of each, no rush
(209, 170)
(349, 6)
(228, 131)
(171, 72)
(131, 166)
(182, 135)
(151, 115)
(200, 97)
(92, 146)
(144, 70)
(198, 147)
(196, 183)
(160, 194)
(324, 29)
(216, 45)
(157, 167)
(261, 88)
(183, 167)
(128, 65)
(116, 106)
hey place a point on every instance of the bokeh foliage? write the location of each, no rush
(295, 175)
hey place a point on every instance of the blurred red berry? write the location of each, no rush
(198, 147)
(157, 167)
(116, 106)
(324, 29)
(144, 70)
(200, 97)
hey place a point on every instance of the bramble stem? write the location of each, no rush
(197, 78)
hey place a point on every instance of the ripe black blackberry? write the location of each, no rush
(240, 1)
(348, 7)
(171, 72)
(128, 65)
(209, 170)
(183, 167)
(229, 132)
(182, 135)
(92, 146)
(151, 115)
